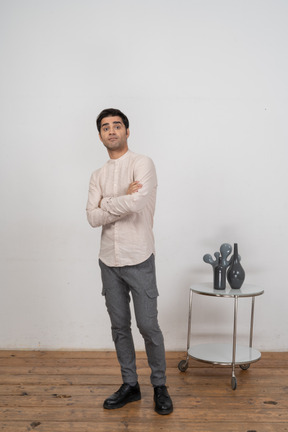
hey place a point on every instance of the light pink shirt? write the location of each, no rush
(126, 220)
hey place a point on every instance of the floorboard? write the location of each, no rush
(59, 391)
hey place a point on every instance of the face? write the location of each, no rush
(113, 135)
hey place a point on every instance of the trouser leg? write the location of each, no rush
(117, 298)
(142, 281)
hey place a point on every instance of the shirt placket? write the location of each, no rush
(116, 228)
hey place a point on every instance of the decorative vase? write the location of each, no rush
(220, 275)
(236, 273)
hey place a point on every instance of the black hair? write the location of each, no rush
(111, 112)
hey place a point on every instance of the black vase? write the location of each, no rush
(235, 273)
(219, 276)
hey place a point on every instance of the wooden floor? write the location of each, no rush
(64, 391)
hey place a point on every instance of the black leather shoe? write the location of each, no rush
(125, 394)
(163, 402)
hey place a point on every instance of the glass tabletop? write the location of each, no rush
(206, 288)
(223, 353)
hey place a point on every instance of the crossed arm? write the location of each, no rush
(133, 187)
(104, 210)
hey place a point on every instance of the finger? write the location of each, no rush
(136, 188)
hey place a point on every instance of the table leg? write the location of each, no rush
(183, 364)
(189, 322)
(234, 382)
(252, 322)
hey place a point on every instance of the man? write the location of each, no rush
(121, 199)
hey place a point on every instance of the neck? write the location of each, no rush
(116, 154)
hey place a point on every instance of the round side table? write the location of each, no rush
(223, 354)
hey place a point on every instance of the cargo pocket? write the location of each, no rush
(151, 302)
(102, 267)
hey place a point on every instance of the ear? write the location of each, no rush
(127, 133)
(100, 137)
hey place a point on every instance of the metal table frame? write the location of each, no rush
(249, 356)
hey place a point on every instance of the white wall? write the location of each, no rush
(204, 84)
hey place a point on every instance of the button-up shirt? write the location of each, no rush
(126, 220)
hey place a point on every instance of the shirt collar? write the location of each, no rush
(124, 156)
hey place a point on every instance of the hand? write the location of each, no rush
(134, 187)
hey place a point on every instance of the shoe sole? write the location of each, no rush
(164, 412)
(121, 404)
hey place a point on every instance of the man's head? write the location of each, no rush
(113, 127)
(111, 112)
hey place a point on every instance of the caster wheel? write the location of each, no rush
(245, 366)
(233, 383)
(183, 365)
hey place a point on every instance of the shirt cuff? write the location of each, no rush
(104, 203)
(106, 206)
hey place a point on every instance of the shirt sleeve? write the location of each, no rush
(97, 216)
(145, 173)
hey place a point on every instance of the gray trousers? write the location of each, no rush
(140, 281)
